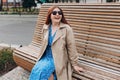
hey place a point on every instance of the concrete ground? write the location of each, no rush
(16, 74)
(16, 30)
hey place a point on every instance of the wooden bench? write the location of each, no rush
(97, 33)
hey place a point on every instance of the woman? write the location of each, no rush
(58, 53)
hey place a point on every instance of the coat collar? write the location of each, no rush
(58, 34)
(62, 25)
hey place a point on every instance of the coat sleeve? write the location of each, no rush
(71, 47)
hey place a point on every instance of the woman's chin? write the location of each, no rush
(57, 21)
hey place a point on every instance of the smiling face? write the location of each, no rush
(56, 15)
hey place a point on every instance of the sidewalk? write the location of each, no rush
(16, 74)
(18, 16)
(17, 30)
(9, 45)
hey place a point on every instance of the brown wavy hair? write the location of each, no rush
(48, 19)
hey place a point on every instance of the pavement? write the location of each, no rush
(16, 30)
(16, 74)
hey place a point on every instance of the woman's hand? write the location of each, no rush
(78, 69)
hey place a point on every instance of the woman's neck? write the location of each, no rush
(55, 24)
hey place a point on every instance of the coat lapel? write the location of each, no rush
(45, 40)
(45, 32)
(59, 33)
(57, 36)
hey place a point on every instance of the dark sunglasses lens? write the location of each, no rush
(55, 12)
(59, 12)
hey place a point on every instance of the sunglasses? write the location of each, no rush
(55, 12)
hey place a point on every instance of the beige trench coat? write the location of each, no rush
(63, 50)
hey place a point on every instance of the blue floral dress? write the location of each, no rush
(45, 66)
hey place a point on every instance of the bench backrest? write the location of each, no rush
(96, 28)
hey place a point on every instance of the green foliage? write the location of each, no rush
(6, 58)
(20, 10)
(109, 0)
(28, 3)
